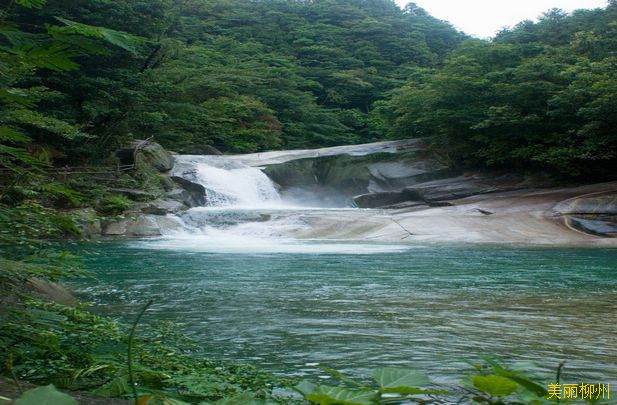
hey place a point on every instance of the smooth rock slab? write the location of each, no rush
(142, 226)
(594, 226)
(603, 204)
(164, 207)
(432, 193)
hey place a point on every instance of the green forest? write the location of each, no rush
(81, 78)
(246, 76)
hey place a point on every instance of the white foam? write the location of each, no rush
(237, 187)
(217, 241)
(244, 214)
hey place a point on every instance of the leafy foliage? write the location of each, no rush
(540, 97)
(75, 349)
(114, 204)
(490, 383)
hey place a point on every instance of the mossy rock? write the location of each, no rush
(155, 156)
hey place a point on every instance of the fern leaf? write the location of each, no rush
(31, 3)
(9, 134)
(56, 57)
(37, 120)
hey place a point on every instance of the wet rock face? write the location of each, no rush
(595, 214)
(145, 225)
(163, 207)
(347, 176)
(88, 222)
(387, 199)
(140, 226)
(195, 191)
(601, 226)
(602, 204)
(434, 192)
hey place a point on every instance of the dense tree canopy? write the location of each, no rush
(246, 76)
(541, 96)
(239, 75)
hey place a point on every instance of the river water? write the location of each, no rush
(247, 294)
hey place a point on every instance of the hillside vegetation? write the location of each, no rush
(80, 78)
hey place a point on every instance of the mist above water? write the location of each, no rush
(244, 213)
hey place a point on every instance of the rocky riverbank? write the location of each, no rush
(403, 193)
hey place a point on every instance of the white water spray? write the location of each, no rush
(229, 183)
(244, 213)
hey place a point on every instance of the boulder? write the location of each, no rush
(141, 226)
(209, 150)
(595, 214)
(153, 155)
(146, 153)
(195, 191)
(164, 207)
(596, 226)
(52, 292)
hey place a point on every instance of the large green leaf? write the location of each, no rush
(305, 387)
(48, 395)
(495, 385)
(525, 382)
(400, 378)
(530, 385)
(325, 395)
(120, 39)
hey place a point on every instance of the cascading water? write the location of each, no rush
(244, 213)
(240, 211)
(228, 183)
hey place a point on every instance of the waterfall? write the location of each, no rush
(229, 183)
(243, 206)
(244, 213)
